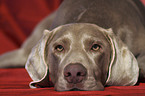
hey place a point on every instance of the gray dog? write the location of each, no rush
(91, 44)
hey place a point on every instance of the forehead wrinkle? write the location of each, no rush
(89, 37)
(67, 36)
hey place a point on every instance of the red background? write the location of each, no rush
(17, 20)
(19, 17)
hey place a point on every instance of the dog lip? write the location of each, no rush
(76, 89)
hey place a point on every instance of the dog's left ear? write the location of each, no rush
(123, 68)
(36, 65)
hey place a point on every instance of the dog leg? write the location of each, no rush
(19, 57)
(15, 58)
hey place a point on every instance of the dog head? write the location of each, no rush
(81, 56)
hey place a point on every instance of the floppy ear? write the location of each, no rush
(36, 65)
(123, 68)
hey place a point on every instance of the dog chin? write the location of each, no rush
(96, 86)
(72, 89)
(76, 89)
(80, 89)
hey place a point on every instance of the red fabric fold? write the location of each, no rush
(19, 17)
(15, 82)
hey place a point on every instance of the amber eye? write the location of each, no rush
(95, 47)
(59, 48)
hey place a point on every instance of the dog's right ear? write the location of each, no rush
(36, 65)
(123, 68)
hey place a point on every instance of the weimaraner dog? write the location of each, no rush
(90, 44)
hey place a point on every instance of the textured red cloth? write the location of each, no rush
(17, 20)
(19, 17)
(14, 82)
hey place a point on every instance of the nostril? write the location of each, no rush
(67, 74)
(79, 74)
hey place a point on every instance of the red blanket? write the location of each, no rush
(16, 82)
(17, 20)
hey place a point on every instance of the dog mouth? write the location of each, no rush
(79, 87)
(76, 89)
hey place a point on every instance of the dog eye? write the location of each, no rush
(95, 47)
(59, 48)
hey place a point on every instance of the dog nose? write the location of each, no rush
(75, 73)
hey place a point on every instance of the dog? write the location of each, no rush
(90, 44)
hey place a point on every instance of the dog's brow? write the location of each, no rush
(66, 36)
(89, 37)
